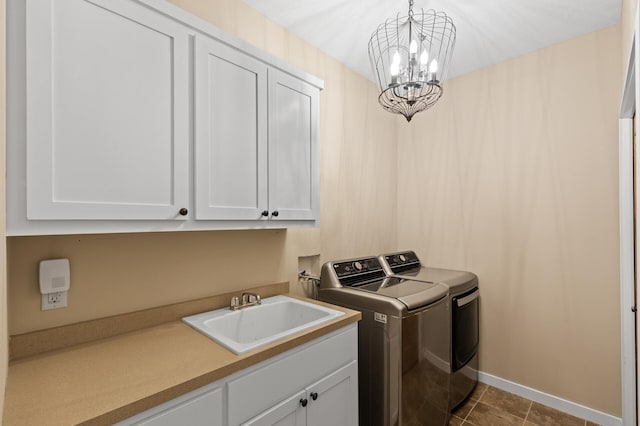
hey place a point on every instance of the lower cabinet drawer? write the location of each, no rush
(259, 390)
(203, 409)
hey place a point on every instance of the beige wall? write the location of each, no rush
(117, 273)
(514, 175)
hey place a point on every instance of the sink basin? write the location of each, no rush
(250, 328)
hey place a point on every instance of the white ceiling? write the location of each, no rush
(488, 31)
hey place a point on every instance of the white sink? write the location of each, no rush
(249, 328)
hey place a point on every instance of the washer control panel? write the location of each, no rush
(357, 266)
(402, 261)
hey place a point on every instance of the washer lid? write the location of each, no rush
(457, 281)
(413, 294)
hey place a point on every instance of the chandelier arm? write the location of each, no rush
(453, 45)
(375, 62)
(389, 52)
(451, 41)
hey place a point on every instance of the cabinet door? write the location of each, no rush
(107, 111)
(288, 413)
(337, 398)
(204, 410)
(293, 148)
(231, 133)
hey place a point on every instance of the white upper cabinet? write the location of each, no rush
(231, 132)
(248, 168)
(293, 148)
(136, 116)
(107, 111)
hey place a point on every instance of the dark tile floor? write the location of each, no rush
(488, 406)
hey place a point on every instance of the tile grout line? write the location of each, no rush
(524, 422)
(474, 405)
(468, 422)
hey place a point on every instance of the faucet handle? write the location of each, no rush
(247, 298)
(235, 303)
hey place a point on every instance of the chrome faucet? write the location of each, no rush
(247, 299)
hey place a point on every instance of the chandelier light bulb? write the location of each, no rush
(424, 58)
(433, 67)
(413, 48)
(395, 64)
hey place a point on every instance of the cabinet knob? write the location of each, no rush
(275, 213)
(314, 395)
(183, 211)
(265, 213)
(303, 402)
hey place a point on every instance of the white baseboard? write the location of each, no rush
(572, 408)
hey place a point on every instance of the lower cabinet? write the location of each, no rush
(315, 384)
(203, 410)
(330, 401)
(289, 412)
(334, 400)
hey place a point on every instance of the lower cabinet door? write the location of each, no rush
(290, 412)
(334, 399)
(203, 410)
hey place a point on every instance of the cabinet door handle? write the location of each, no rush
(265, 213)
(303, 402)
(183, 212)
(314, 395)
(275, 213)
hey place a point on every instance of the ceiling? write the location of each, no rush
(488, 31)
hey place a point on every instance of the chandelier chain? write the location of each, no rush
(410, 8)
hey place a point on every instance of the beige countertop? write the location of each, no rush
(108, 380)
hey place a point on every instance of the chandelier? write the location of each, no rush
(410, 57)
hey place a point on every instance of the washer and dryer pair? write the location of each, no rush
(418, 335)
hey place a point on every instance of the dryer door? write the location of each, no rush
(465, 328)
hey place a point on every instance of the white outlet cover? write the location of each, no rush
(60, 301)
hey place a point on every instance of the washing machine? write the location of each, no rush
(464, 320)
(403, 342)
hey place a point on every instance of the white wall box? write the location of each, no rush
(134, 115)
(286, 389)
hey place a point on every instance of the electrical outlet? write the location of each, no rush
(54, 300)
